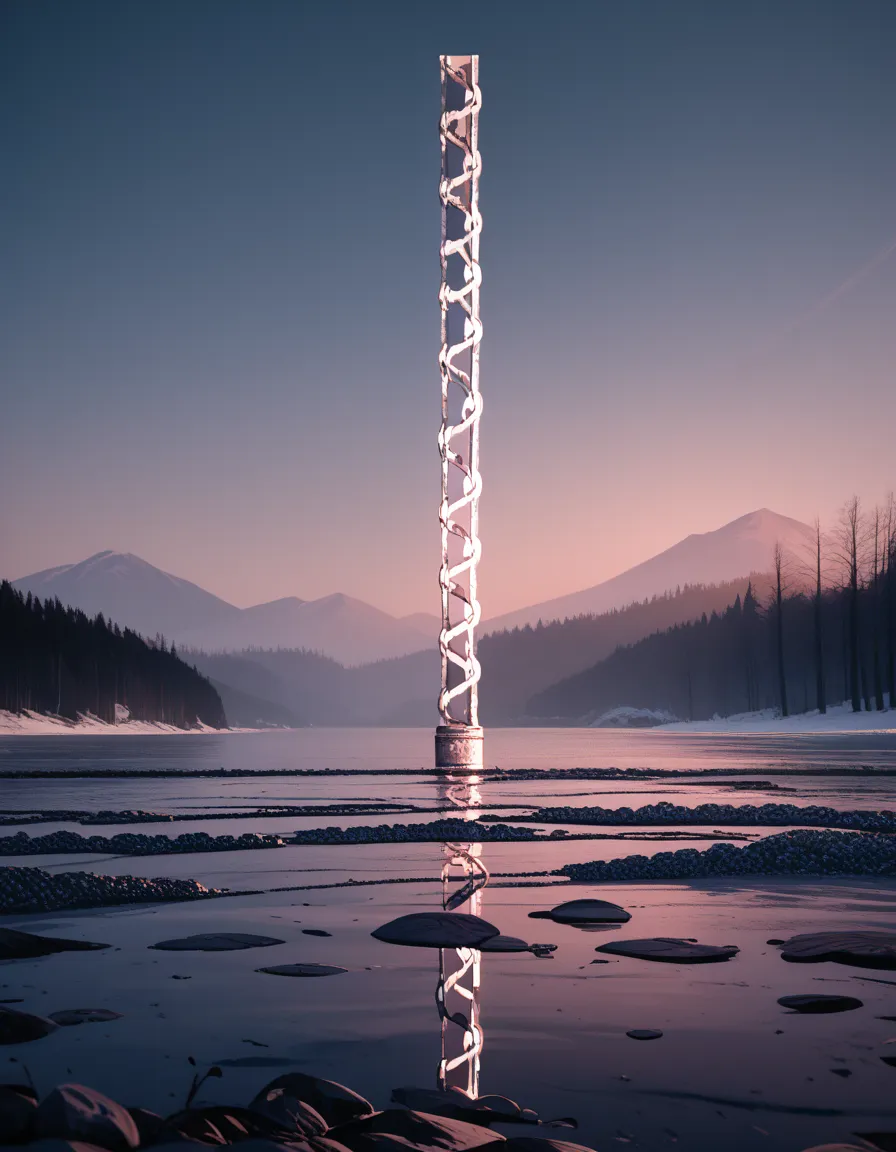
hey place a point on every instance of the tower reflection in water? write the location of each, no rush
(464, 876)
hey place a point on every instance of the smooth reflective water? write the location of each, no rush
(732, 1068)
(409, 748)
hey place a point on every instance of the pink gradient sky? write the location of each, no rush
(222, 318)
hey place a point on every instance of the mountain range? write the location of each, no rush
(745, 545)
(134, 593)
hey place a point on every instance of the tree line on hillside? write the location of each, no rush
(825, 633)
(401, 691)
(520, 662)
(56, 660)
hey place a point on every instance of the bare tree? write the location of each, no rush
(876, 585)
(779, 628)
(889, 592)
(847, 544)
(820, 695)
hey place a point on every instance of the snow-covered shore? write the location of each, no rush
(34, 724)
(839, 718)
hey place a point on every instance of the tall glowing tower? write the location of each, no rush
(459, 736)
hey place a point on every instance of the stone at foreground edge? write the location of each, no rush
(541, 1144)
(859, 949)
(336, 1103)
(21, 1027)
(412, 1130)
(73, 1112)
(16, 945)
(291, 1114)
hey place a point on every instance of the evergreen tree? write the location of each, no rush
(55, 659)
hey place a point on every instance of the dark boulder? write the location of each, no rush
(484, 1110)
(411, 1130)
(216, 942)
(218, 1124)
(74, 1112)
(18, 1108)
(21, 1027)
(436, 930)
(285, 1111)
(540, 1144)
(15, 945)
(334, 1102)
(814, 1003)
(670, 951)
(859, 949)
(589, 911)
(303, 970)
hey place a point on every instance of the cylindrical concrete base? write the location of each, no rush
(458, 746)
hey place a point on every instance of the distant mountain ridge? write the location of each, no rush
(135, 594)
(736, 549)
(402, 692)
(339, 626)
(131, 593)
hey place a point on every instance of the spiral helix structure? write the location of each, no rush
(461, 333)
(460, 969)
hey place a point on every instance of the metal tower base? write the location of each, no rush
(458, 746)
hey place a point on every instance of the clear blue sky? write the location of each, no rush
(219, 265)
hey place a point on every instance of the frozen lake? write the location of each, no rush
(732, 1067)
(409, 748)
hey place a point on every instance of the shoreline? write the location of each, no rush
(29, 723)
(839, 720)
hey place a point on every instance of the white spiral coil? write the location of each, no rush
(459, 368)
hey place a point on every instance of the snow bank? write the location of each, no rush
(34, 724)
(839, 718)
(632, 718)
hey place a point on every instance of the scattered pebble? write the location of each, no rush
(644, 1034)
